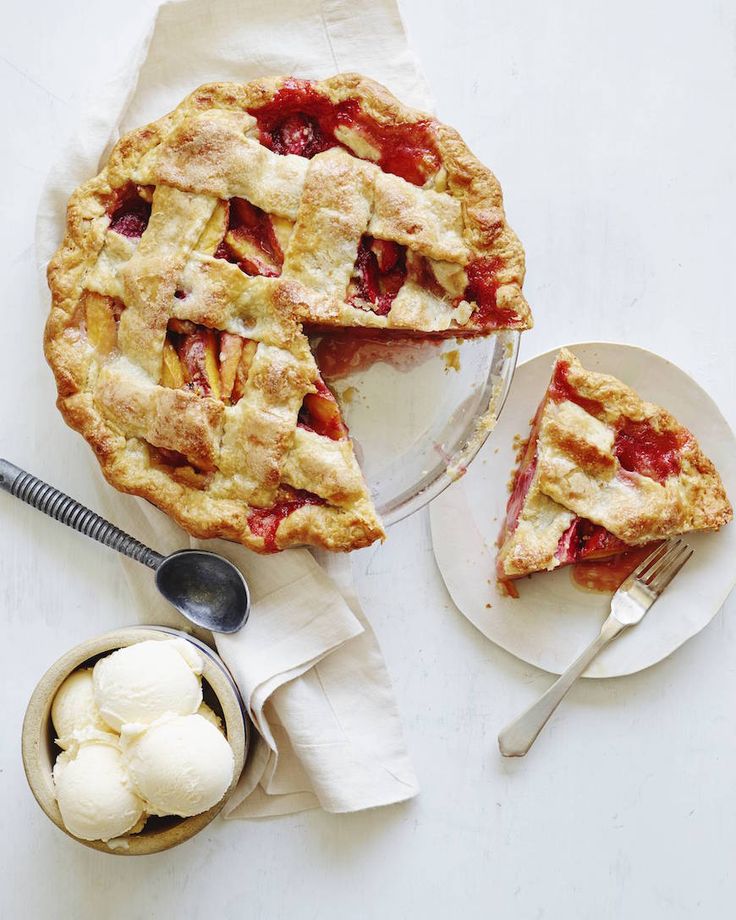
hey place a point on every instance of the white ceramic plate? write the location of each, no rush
(554, 619)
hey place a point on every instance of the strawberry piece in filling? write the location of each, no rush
(481, 290)
(300, 120)
(265, 522)
(561, 389)
(130, 214)
(584, 540)
(300, 134)
(641, 449)
(380, 270)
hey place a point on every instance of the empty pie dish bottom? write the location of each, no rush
(553, 619)
(418, 409)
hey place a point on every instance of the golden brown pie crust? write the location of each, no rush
(244, 456)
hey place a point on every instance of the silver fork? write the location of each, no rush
(628, 606)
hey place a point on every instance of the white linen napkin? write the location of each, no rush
(307, 663)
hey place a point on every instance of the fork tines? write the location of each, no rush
(661, 566)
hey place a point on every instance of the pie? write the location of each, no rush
(212, 242)
(603, 471)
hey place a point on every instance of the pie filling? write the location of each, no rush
(206, 361)
(641, 449)
(380, 270)
(250, 241)
(343, 352)
(607, 574)
(180, 468)
(481, 290)
(320, 413)
(265, 522)
(584, 540)
(98, 317)
(301, 121)
(525, 471)
(131, 211)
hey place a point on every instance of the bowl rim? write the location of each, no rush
(36, 729)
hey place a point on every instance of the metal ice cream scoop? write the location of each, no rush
(208, 589)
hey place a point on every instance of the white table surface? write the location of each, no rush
(612, 129)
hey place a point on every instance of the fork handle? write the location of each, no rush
(516, 739)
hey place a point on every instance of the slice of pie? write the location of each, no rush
(193, 261)
(603, 471)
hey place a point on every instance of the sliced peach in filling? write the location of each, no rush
(250, 240)
(236, 356)
(101, 315)
(207, 361)
(243, 369)
(215, 229)
(172, 373)
(320, 413)
(231, 350)
(198, 355)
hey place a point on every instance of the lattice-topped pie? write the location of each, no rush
(193, 262)
(603, 471)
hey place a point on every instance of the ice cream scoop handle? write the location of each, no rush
(69, 511)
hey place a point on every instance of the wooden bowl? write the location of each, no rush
(40, 751)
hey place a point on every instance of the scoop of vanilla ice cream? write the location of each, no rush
(95, 795)
(143, 682)
(74, 712)
(179, 766)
